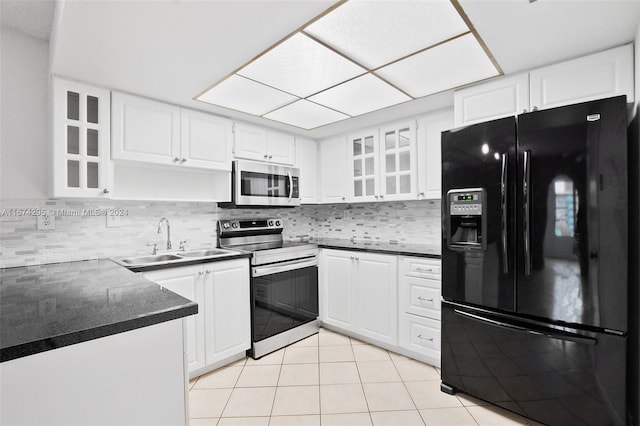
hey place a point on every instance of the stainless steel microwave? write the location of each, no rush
(263, 184)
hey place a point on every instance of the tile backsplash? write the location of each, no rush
(81, 232)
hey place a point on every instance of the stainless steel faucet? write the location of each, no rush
(164, 219)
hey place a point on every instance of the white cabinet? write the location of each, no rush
(501, 97)
(307, 162)
(419, 306)
(222, 328)
(363, 166)
(81, 128)
(359, 293)
(259, 144)
(600, 75)
(430, 128)
(154, 132)
(333, 170)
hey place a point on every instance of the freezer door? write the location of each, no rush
(572, 214)
(478, 190)
(554, 377)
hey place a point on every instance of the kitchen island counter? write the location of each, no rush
(50, 306)
(383, 247)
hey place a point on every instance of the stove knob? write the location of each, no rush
(225, 225)
(277, 223)
(234, 224)
(270, 223)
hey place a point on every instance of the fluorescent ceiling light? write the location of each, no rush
(301, 66)
(306, 115)
(245, 95)
(361, 95)
(362, 56)
(375, 33)
(449, 65)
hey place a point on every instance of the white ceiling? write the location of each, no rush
(172, 50)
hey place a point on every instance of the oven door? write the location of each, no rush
(261, 184)
(283, 295)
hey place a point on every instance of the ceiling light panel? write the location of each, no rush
(449, 65)
(375, 33)
(306, 115)
(245, 95)
(361, 95)
(301, 66)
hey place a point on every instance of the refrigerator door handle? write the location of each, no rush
(569, 337)
(526, 192)
(503, 222)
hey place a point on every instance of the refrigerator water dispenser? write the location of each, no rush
(467, 222)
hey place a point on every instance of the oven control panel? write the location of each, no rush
(230, 225)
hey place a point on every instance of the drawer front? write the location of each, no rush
(422, 300)
(421, 268)
(421, 335)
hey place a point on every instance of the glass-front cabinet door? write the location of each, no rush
(364, 166)
(81, 121)
(398, 175)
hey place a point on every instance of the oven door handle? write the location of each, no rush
(259, 271)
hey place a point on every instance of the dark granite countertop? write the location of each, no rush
(421, 250)
(45, 307)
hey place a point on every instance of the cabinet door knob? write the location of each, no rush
(265, 156)
(377, 197)
(176, 159)
(200, 272)
(342, 198)
(381, 197)
(183, 160)
(105, 191)
(270, 157)
(421, 194)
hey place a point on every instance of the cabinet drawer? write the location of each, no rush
(421, 335)
(421, 299)
(418, 267)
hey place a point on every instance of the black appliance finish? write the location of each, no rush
(534, 260)
(284, 282)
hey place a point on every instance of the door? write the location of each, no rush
(398, 162)
(250, 142)
(572, 197)
(481, 157)
(338, 286)
(206, 140)
(333, 170)
(307, 162)
(281, 148)
(364, 166)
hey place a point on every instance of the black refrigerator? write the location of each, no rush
(534, 263)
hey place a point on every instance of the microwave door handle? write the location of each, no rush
(290, 185)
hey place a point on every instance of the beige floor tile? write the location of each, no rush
(299, 374)
(397, 357)
(254, 376)
(330, 338)
(300, 355)
(192, 383)
(494, 416)
(309, 341)
(395, 418)
(377, 371)
(439, 370)
(225, 377)
(207, 402)
(333, 373)
(387, 396)
(204, 422)
(457, 416)
(355, 341)
(239, 363)
(338, 399)
(244, 421)
(412, 371)
(336, 353)
(351, 419)
(427, 394)
(270, 359)
(470, 401)
(312, 420)
(250, 402)
(370, 353)
(295, 400)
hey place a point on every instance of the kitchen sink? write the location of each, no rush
(206, 253)
(147, 260)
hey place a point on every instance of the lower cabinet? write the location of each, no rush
(420, 313)
(359, 294)
(222, 328)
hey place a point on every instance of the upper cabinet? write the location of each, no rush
(364, 166)
(307, 162)
(81, 128)
(333, 170)
(154, 132)
(259, 144)
(430, 128)
(600, 75)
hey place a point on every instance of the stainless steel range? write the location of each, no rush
(284, 282)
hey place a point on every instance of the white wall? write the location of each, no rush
(24, 116)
